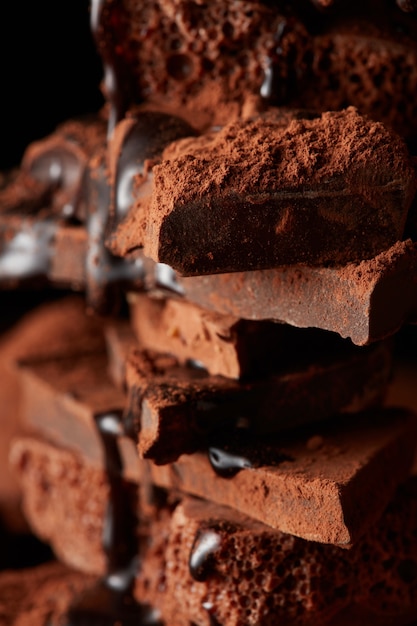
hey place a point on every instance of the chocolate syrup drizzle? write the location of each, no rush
(205, 546)
(109, 30)
(227, 464)
(111, 600)
(201, 562)
(106, 274)
(144, 143)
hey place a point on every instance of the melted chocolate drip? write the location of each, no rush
(227, 464)
(59, 168)
(109, 30)
(276, 88)
(205, 546)
(106, 274)
(166, 278)
(28, 252)
(111, 600)
(234, 450)
(144, 141)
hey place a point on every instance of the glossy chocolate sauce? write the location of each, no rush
(143, 144)
(106, 274)
(202, 561)
(60, 168)
(28, 252)
(227, 464)
(277, 89)
(111, 600)
(109, 28)
(205, 546)
(235, 450)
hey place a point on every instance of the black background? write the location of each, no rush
(49, 68)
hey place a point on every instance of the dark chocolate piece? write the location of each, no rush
(149, 53)
(223, 344)
(176, 409)
(276, 195)
(111, 599)
(249, 573)
(62, 399)
(323, 492)
(365, 301)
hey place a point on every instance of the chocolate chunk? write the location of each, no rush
(323, 493)
(223, 344)
(341, 75)
(259, 195)
(176, 409)
(61, 399)
(365, 301)
(272, 570)
(272, 573)
(40, 595)
(209, 83)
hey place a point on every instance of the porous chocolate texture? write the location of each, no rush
(382, 89)
(52, 329)
(40, 595)
(202, 559)
(176, 409)
(225, 567)
(258, 195)
(203, 60)
(72, 525)
(260, 53)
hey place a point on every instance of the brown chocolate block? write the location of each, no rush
(365, 301)
(61, 399)
(242, 572)
(223, 344)
(260, 51)
(328, 190)
(332, 468)
(120, 340)
(72, 524)
(176, 409)
(340, 72)
(277, 574)
(209, 82)
(40, 596)
(324, 492)
(49, 330)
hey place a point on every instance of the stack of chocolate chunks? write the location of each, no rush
(203, 434)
